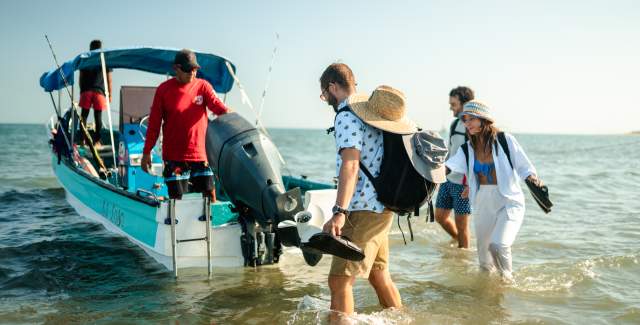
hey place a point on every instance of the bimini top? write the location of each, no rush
(155, 60)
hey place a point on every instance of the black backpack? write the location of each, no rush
(399, 186)
(452, 130)
(502, 140)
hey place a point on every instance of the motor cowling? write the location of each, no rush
(248, 166)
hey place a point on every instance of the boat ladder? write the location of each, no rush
(207, 238)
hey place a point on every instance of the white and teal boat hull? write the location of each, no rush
(142, 221)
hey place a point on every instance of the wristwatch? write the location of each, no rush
(338, 209)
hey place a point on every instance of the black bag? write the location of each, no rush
(452, 130)
(399, 186)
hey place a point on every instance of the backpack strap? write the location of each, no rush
(452, 130)
(465, 150)
(409, 225)
(502, 140)
(367, 173)
(362, 166)
(333, 128)
(402, 232)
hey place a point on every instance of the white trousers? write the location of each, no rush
(497, 221)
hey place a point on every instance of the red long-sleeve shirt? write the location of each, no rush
(182, 107)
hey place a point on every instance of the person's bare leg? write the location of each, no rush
(442, 217)
(341, 287)
(462, 225)
(388, 294)
(83, 117)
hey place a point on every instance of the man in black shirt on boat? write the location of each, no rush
(92, 93)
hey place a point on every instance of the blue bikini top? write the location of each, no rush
(483, 168)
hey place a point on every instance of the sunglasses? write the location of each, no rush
(468, 118)
(187, 70)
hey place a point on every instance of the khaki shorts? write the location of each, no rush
(370, 231)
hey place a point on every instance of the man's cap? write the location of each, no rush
(186, 59)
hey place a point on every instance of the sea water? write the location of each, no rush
(580, 264)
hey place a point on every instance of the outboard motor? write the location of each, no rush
(248, 167)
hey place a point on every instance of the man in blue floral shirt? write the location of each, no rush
(358, 214)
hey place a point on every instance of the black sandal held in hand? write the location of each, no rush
(340, 246)
(540, 195)
(311, 258)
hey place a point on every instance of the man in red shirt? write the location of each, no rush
(181, 103)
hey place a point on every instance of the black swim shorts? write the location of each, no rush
(188, 177)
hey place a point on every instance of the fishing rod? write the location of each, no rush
(55, 59)
(246, 100)
(74, 105)
(245, 97)
(55, 108)
(268, 81)
(264, 94)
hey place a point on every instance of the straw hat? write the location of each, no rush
(478, 109)
(385, 109)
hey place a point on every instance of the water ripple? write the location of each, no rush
(578, 264)
(562, 277)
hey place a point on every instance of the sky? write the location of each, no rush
(557, 67)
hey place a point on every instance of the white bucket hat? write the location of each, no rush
(427, 152)
(478, 109)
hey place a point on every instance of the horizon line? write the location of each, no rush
(636, 132)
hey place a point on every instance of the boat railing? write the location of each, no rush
(141, 191)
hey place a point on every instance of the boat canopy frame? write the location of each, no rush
(213, 68)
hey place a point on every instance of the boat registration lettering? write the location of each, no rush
(113, 213)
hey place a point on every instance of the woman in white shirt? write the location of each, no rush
(495, 194)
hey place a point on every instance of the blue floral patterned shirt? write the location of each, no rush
(351, 132)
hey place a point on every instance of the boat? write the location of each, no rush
(108, 185)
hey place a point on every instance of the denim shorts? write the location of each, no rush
(449, 198)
